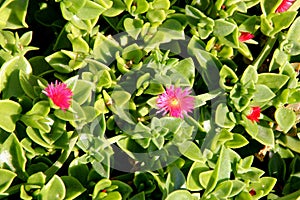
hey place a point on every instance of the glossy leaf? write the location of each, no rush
(54, 189)
(10, 111)
(285, 118)
(6, 180)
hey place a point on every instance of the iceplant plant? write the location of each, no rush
(176, 102)
(60, 94)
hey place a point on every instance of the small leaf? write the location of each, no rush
(191, 150)
(9, 113)
(273, 81)
(193, 182)
(73, 187)
(13, 156)
(285, 118)
(238, 141)
(7, 178)
(263, 93)
(180, 195)
(222, 118)
(223, 28)
(54, 189)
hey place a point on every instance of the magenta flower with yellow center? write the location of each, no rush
(285, 5)
(176, 102)
(60, 94)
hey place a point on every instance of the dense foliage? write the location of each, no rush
(157, 99)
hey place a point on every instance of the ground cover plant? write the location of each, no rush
(157, 99)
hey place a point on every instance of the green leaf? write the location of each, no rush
(175, 179)
(269, 6)
(279, 59)
(13, 14)
(9, 113)
(277, 167)
(117, 8)
(35, 136)
(285, 118)
(7, 178)
(263, 93)
(120, 98)
(238, 141)
(105, 48)
(289, 142)
(250, 74)
(278, 22)
(90, 10)
(73, 187)
(59, 61)
(193, 182)
(227, 77)
(124, 189)
(263, 186)
(272, 80)
(293, 42)
(139, 196)
(265, 135)
(222, 116)
(154, 89)
(260, 132)
(156, 16)
(133, 27)
(180, 195)
(82, 91)
(101, 185)
(186, 69)
(12, 68)
(223, 28)
(13, 156)
(54, 189)
(191, 150)
(221, 171)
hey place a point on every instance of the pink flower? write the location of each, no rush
(60, 94)
(176, 102)
(285, 5)
(245, 36)
(254, 114)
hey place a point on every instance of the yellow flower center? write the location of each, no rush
(174, 102)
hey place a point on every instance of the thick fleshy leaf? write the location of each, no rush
(193, 182)
(54, 189)
(13, 14)
(9, 74)
(285, 118)
(272, 80)
(13, 156)
(7, 178)
(9, 113)
(191, 151)
(73, 187)
(181, 195)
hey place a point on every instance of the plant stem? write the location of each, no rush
(265, 52)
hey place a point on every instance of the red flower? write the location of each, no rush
(285, 5)
(254, 114)
(60, 94)
(245, 36)
(176, 102)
